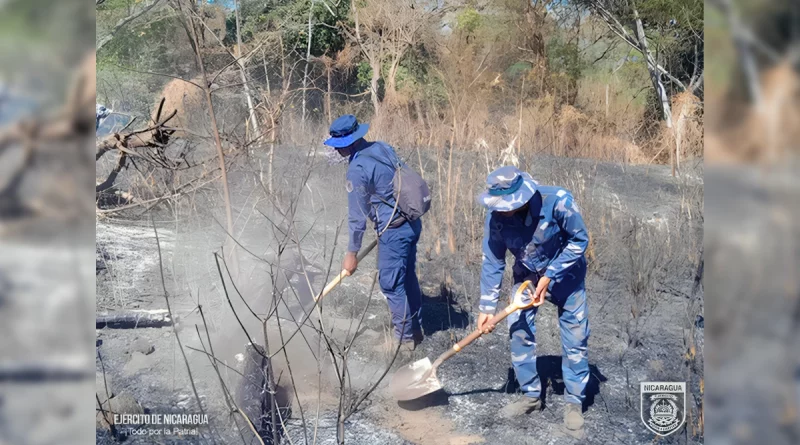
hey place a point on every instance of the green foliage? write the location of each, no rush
(564, 57)
(468, 20)
(404, 78)
(688, 14)
(433, 90)
(145, 47)
(634, 71)
(363, 75)
(413, 70)
(291, 18)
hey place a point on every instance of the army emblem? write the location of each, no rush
(663, 406)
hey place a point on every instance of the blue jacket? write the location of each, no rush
(547, 240)
(370, 192)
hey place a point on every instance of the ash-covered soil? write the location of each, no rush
(45, 364)
(148, 364)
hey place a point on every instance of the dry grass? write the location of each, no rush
(685, 136)
(541, 127)
(766, 132)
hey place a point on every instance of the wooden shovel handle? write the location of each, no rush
(335, 282)
(477, 332)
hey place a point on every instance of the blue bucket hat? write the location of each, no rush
(507, 189)
(345, 130)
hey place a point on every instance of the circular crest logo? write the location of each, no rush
(663, 406)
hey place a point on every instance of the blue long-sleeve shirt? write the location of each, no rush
(548, 240)
(370, 191)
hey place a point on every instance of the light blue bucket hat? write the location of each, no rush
(507, 188)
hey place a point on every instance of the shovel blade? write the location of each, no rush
(414, 380)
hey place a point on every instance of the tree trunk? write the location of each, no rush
(375, 64)
(328, 94)
(678, 140)
(391, 80)
(215, 131)
(652, 67)
(254, 395)
(242, 71)
(272, 138)
(744, 50)
(451, 239)
(658, 84)
(308, 58)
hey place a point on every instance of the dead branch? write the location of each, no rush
(109, 182)
(150, 203)
(157, 136)
(68, 124)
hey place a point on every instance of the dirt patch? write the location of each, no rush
(188, 100)
(137, 363)
(426, 427)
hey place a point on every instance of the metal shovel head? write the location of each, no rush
(414, 380)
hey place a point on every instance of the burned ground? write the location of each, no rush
(638, 215)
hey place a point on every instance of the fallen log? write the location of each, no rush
(44, 371)
(134, 319)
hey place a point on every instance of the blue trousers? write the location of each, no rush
(397, 260)
(573, 319)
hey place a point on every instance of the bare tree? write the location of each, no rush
(274, 101)
(638, 40)
(243, 71)
(634, 35)
(748, 47)
(308, 58)
(385, 31)
(68, 124)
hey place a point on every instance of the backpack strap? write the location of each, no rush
(395, 210)
(393, 163)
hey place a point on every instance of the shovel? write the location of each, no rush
(419, 378)
(335, 282)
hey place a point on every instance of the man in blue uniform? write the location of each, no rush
(543, 228)
(370, 196)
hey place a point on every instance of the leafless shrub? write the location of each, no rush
(646, 256)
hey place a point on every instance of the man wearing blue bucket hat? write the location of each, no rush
(543, 228)
(370, 196)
